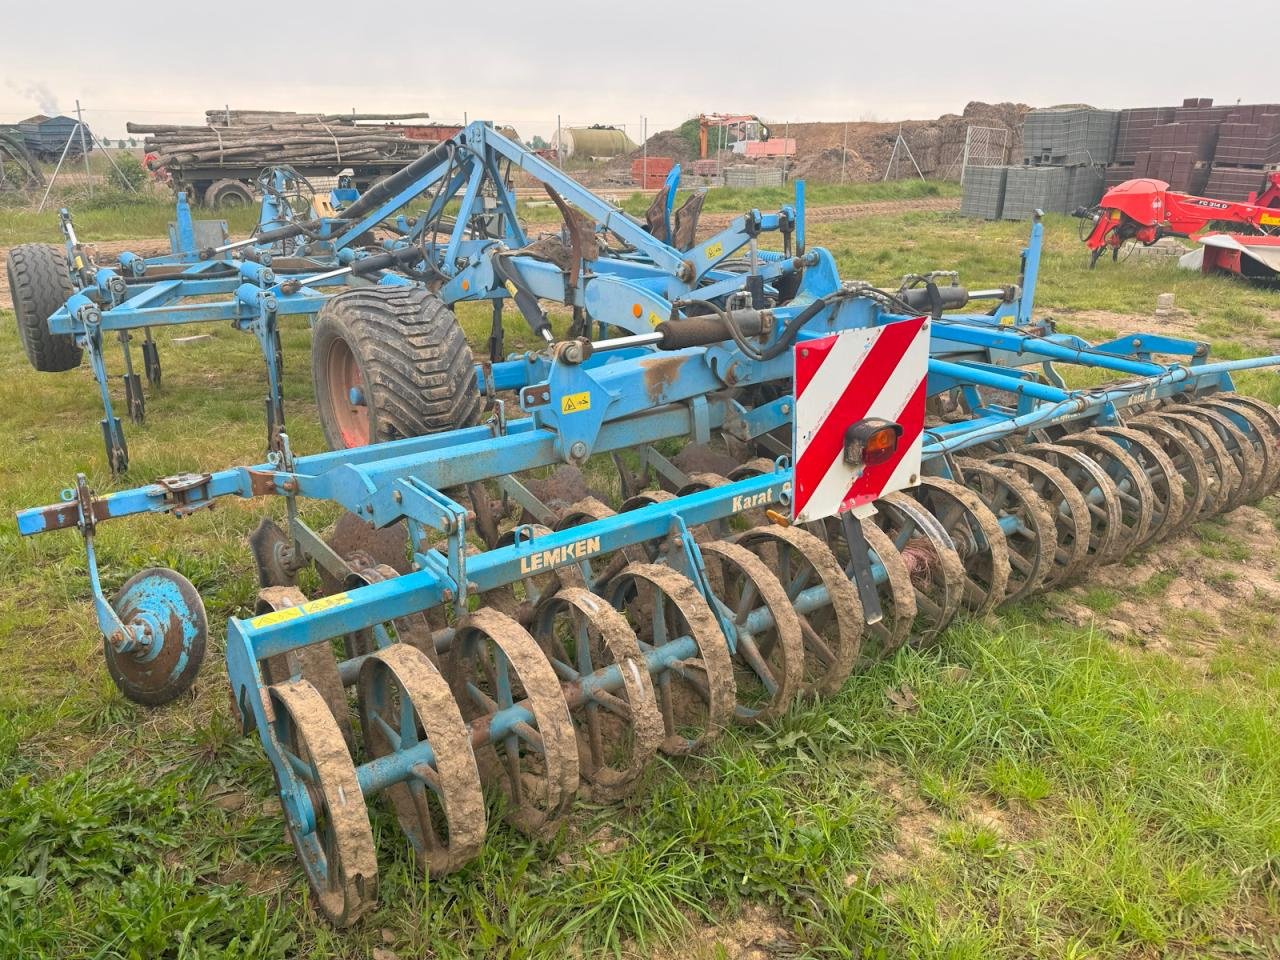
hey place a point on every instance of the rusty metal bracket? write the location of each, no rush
(88, 506)
(185, 493)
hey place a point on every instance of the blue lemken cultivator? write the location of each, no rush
(805, 473)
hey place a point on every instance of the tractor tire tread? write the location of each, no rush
(39, 284)
(420, 366)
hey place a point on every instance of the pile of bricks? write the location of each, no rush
(1222, 152)
(1063, 153)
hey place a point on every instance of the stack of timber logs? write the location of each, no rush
(255, 137)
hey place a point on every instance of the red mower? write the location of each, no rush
(1144, 210)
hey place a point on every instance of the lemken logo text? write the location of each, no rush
(579, 550)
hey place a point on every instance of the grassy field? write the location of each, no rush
(118, 217)
(1091, 774)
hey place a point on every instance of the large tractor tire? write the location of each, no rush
(39, 284)
(227, 194)
(388, 363)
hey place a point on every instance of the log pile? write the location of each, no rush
(260, 138)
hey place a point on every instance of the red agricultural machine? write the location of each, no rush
(1145, 210)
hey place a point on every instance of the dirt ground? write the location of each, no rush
(1184, 599)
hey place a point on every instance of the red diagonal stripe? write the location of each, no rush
(852, 405)
(871, 482)
(810, 355)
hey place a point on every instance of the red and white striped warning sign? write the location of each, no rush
(841, 380)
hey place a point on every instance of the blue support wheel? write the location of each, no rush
(160, 652)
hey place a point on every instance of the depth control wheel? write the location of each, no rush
(390, 363)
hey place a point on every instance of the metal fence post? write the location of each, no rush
(84, 148)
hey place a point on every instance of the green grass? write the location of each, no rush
(112, 217)
(1052, 795)
(738, 199)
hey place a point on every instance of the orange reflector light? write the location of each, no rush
(466, 285)
(636, 310)
(870, 442)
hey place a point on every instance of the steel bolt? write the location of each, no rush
(578, 451)
(397, 496)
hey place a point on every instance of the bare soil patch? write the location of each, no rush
(1187, 597)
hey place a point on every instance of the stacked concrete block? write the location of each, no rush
(1063, 152)
(1133, 131)
(1232, 183)
(1085, 188)
(984, 192)
(1069, 137)
(1031, 188)
(752, 175)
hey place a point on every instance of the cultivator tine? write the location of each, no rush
(134, 401)
(151, 358)
(113, 441)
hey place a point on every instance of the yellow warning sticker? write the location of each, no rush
(1268, 218)
(293, 613)
(276, 616)
(713, 251)
(327, 603)
(654, 319)
(575, 402)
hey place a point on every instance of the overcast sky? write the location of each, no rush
(615, 62)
